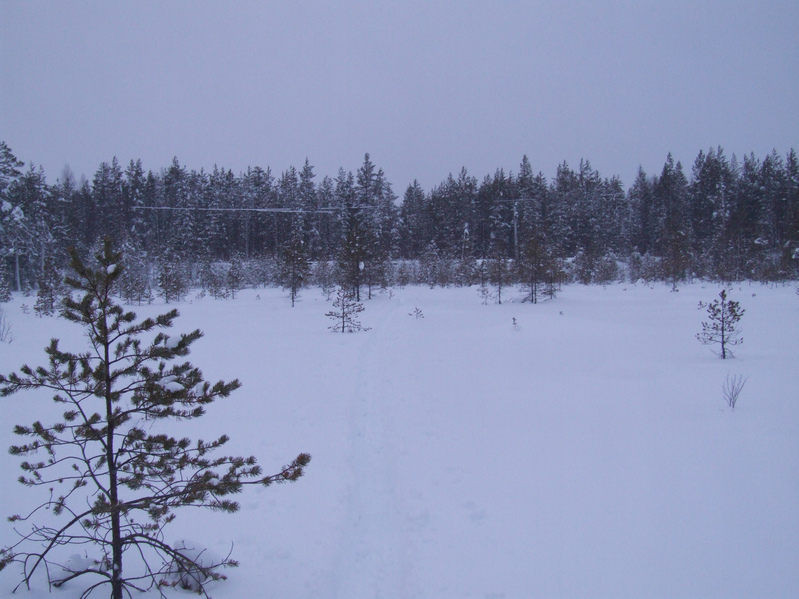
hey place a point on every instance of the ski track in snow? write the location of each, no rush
(374, 557)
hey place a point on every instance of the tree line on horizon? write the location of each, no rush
(727, 219)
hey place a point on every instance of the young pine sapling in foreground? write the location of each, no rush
(114, 473)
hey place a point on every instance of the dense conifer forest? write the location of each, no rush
(724, 218)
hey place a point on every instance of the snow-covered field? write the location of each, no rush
(586, 451)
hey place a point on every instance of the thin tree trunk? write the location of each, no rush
(116, 529)
(17, 280)
(723, 331)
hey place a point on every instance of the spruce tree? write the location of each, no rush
(114, 476)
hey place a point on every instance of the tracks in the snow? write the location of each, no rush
(374, 552)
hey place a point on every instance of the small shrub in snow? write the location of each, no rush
(732, 389)
(416, 313)
(721, 328)
(6, 336)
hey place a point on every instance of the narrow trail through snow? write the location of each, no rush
(375, 556)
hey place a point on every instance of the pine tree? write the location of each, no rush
(114, 478)
(346, 311)
(722, 327)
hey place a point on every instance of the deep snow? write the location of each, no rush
(586, 451)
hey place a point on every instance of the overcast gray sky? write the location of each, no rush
(425, 87)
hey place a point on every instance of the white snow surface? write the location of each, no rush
(586, 451)
(173, 341)
(173, 386)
